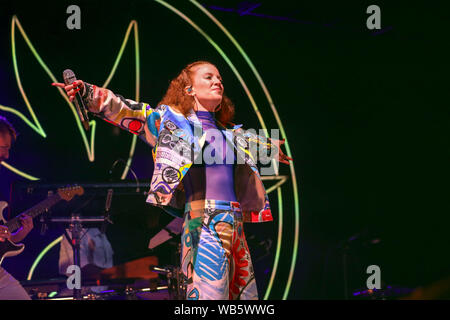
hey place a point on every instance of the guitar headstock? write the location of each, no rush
(70, 192)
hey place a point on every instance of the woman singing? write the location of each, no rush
(203, 172)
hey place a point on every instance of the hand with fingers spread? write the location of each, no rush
(281, 156)
(70, 89)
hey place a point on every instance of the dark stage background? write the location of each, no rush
(365, 114)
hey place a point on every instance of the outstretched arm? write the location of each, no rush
(271, 145)
(136, 117)
(283, 158)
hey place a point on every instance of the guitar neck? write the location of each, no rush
(33, 212)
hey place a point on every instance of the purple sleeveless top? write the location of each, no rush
(213, 178)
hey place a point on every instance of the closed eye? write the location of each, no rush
(209, 76)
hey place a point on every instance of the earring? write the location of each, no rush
(220, 107)
(189, 89)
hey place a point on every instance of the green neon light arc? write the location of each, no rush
(15, 21)
(288, 150)
(137, 83)
(19, 172)
(37, 127)
(41, 255)
(35, 124)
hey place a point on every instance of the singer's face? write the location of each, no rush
(207, 85)
(5, 145)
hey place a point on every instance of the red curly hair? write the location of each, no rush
(177, 98)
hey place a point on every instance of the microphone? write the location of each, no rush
(69, 78)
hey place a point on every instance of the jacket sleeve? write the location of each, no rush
(255, 146)
(173, 158)
(138, 118)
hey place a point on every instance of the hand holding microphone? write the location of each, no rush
(72, 86)
(70, 89)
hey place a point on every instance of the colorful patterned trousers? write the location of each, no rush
(214, 254)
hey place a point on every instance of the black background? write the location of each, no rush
(365, 114)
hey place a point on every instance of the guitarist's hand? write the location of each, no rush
(27, 226)
(4, 233)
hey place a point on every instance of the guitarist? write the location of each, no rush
(10, 288)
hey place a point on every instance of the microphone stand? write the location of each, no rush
(176, 281)
(109, 196)
(76, 226)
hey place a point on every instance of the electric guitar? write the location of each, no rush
(9, 248)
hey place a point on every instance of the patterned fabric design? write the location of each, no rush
(115, 109)
(173, 155)
(215, 258)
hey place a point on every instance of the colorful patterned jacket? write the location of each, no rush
(176, 141)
